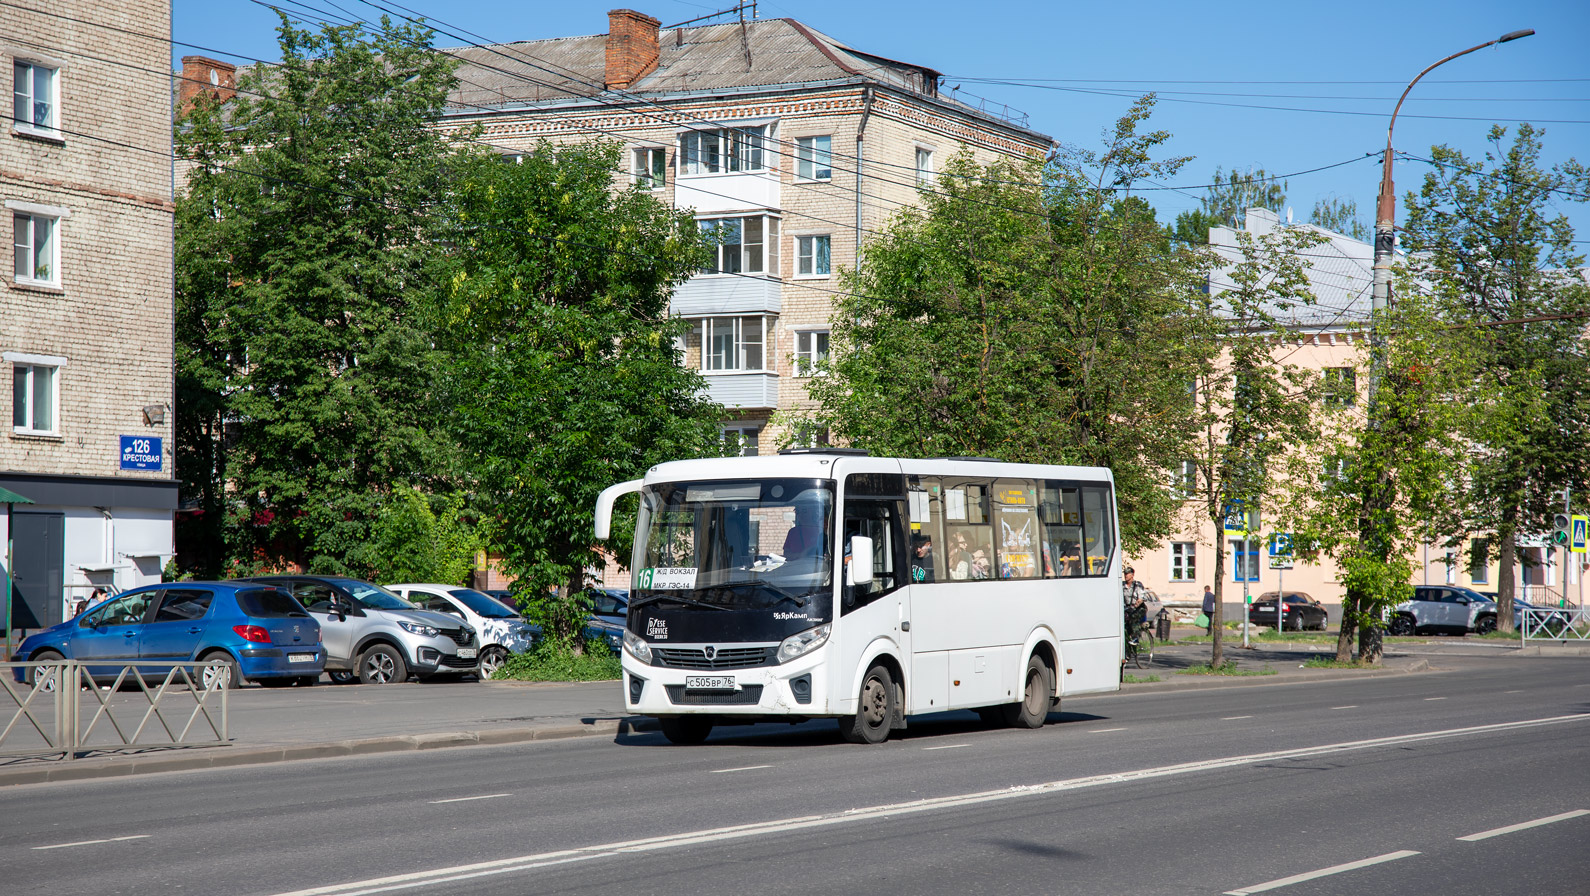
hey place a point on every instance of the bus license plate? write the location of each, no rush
(710, 683)
(300, 657)
(466, 653)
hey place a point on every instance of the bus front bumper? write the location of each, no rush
(797, 688)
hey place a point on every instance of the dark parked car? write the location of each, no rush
(609, 607)
(259, 632)
(1302, 612)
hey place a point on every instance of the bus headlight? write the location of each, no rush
(636, 647)
(804, 643)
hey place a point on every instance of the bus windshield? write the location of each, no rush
(736, 545)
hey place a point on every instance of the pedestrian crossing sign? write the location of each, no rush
(1577, 534)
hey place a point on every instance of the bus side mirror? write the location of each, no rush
(860, 560)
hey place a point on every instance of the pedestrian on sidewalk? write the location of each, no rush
(1209, 610)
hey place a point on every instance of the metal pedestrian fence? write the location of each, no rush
(61, 707)
(1554, 624)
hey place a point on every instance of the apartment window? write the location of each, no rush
(924, 167)
(811, 348)
(1184, 482)
(1451, 563)
(1183, 562)
(742, 245)
(1479, 567)
(814, 158)
(722, 150)
(37, 252)
(810, 435)
(651, 168)
(745, 436)
(1340, 387)
(1245, 559)
(34, 97)
(732, 344)
(34, 394)
(812, 256)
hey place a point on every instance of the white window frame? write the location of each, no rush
(1245, 548)
(1184, 482)
(740, 363)
(1340, 387)
(926, 176)
(806, 256)
(1183, 561)
(23, 124)
(1479, 572)
(33, 213)
(750, 434)
(649, 166)
(814, 161)
(808, 359)
(1450, 561)
(731, 150)
(764, 258)
(17, 362)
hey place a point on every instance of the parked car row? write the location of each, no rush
(288, 629)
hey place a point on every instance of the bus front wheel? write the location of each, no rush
(1036, 697)
(874, 710)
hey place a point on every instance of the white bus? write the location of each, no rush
(827, 583)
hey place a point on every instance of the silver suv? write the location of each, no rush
(1444, 610)
(381, 638)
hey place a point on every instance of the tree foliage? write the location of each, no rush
(1502, 262)
(562, 375)
(1053, 324)
(1341, 216)
(305, 249)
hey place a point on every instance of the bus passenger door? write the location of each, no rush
(880, 608)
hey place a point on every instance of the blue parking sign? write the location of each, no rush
(141, 453)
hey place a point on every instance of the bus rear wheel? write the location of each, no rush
(1037, 695)
(875, 710)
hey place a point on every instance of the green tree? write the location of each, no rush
(305, 252)
(417, 537)
(1234, 192)
(1339, 215)
(1486, 238)
(1055, 325)
(562, 371)
(1252, 408)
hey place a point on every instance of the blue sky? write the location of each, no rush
(1285, 86)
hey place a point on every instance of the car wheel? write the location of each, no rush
(46, 678)
(686, 731)
(380, 664)
(874, 710)
(1485, 625)
(211, 676)
(1294, 622)
(491, 659)
(1402, 625)
(343, 677)
(1036, 696)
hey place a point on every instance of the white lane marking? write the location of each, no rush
(1105, 730)
(456, 873)
(1353, 706)
(1524, 826)
(1323, 872)
(466, 799)
(1428, 699)
(946, 747)
(743, 768)
(92, 842)
(1234, 718)
(1512, 692)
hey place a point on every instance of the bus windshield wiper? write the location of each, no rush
(676, 599)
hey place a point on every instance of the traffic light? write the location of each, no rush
(1559, 528)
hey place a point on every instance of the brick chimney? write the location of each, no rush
(203, 75)
(631, 47)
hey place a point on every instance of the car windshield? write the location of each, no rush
(373, 596)
(481, 604)
(736, 544)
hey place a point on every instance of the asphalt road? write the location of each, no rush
(1377, 781)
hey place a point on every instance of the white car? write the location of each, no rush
(501, 630)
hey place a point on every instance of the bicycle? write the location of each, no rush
(1139, 640)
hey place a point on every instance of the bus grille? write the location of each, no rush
(725, 658)
(750, 695)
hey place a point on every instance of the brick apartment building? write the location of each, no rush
(86, 310)
(792, 145)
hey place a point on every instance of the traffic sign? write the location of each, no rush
(1239, 518)
(1281, 551)
(1577, 538)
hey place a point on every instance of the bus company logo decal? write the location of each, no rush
(657, 629)
(712, 652)
(782, 616)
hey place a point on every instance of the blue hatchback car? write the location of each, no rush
(261, 633)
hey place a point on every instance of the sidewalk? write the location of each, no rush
(328, 721)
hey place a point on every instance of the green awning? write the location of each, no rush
(10, 497)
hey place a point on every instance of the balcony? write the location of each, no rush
(743, 390)
(711, 295)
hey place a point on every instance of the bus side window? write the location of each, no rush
(1061, 512)
(927, 519)
(1098, 527)
(883, 519)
